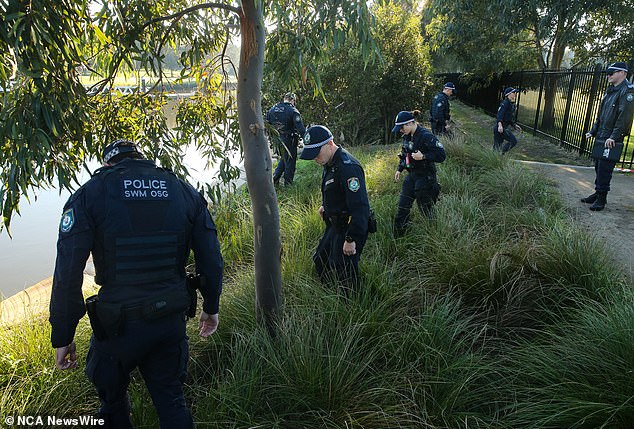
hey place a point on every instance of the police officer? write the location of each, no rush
(504, 121)
(420, 152)
(285, 118)
(613, 123)
(140, 222)
(440, 110)
(345, 208)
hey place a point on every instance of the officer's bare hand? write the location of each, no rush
(418, 155)
(66, 357)
(397, 176)
(321, 211)
(609, 143)
(500, 128)
(208, 324)
(349, 249)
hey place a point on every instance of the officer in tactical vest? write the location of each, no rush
(505, 122)
(345, 209)
(440, 110)
(140, 222)
(613, 123)
(420, 152)
(285, 118)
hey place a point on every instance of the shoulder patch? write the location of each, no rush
(353, 184)
(68, 220)
(438, 144)
(629, 98)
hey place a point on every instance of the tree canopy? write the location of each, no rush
(510, 34)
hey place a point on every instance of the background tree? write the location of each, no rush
(48, 131)
(489, 36)
(360, 99)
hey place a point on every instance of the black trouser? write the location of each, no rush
(424, 189)
(287, 163)
(498, 139)
(330, 262)
(160, 350)
(438, 127)
(604, 169)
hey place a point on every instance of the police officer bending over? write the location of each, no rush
(140, 222)
(285, 118)
(420, 152)
(440, 110)
(345, 209)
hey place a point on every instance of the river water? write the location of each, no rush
(29, 256)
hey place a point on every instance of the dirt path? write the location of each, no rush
(615, 224)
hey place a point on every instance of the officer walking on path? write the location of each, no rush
(345, 209)
(613, 123)
(140, 222)
(420, 152)
(285, 118)
(504, 121)
(440, 110)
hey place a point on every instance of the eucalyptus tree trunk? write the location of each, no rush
(257, 165)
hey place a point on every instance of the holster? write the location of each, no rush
(105, 319)
(193, 283)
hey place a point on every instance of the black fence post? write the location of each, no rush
(583, 147)
(569, 96)
(539, 102)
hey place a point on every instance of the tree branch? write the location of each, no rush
(190, 10)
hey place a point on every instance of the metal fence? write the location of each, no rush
(560, 105)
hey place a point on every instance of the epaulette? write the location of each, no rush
(345, 158)
(104, 169)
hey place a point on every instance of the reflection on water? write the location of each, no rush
(29, 256)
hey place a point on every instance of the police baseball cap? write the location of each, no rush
(510, 90)
(315, 137)
(620, 66)
(450, 85)
(118, 147)
(290, 96)
(402, 118)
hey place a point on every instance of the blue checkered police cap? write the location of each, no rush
(118, 147)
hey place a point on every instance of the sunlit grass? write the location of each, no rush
(499, 312)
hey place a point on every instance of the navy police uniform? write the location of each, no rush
(346, 213)
(421, 184)
(505, 115)
(614, 121)
(440, 113)
(285, 118)
(140, 222)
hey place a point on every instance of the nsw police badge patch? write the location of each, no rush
(629, 98)
(68, 220)
(353, 184)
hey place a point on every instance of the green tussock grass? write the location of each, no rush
(500, 312)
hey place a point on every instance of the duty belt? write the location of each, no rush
(340, 221)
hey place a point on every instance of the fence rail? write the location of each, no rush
(560, 105)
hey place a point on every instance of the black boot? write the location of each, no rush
(599, 204)
(589, 199)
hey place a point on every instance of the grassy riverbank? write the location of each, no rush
(499, 313)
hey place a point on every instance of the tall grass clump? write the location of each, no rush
(30, 383)
(579, 374)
